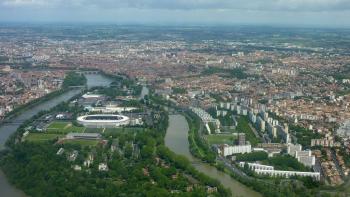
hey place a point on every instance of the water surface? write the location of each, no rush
(177, 140)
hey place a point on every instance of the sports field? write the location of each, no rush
(41, 137)
(59, 127)
(220, 139)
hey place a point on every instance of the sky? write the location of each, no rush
(324, 13)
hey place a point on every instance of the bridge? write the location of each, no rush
(77, 86)
(88, 72)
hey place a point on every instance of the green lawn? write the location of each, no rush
(37, 137)
(83, 142)
(75, 129)
(243, 126)
(220, 139)
(60, 127)
(93, 130)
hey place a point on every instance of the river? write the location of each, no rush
(96, 80)
(7, 129)
(177, 140)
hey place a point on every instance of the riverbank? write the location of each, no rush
(177, 140)
(17, 111)
(7, 190)
(9, 128)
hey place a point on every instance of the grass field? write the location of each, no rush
(74, 129)
(93, 130)
(220, 139)
(82, 142)
(59, 127)
(127, 129)
(243, 126)
(37, 137)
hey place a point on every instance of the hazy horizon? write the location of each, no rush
(313, 13)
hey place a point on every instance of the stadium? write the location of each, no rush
(103, 120)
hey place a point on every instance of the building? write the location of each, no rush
(103, 120)
(304, 157)
(271, 130)
(241, 139)
(77, 168)
(83, 136)
(60, 151)
(269, 170)
(287, 174)
(73, 155)
(260, 123)
(255, 166)
(283, 133)
(307, 160)
(88, 162)
(206, 119)
(226, 150)
(324, 142)
(293, 148)
(102, 167)
(110, 109)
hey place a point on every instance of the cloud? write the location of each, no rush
(259, 5)
(15, 3)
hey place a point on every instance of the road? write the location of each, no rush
(340, 170)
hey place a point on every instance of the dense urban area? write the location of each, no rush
(267, 106)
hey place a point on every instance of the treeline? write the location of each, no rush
(74, 79)
(182, 163)
(304, 135)
(238, 73)
(198, 147)
(38, 171)
(275, 188)
(243, 126)
(253, 156)
(226, 120)
(286, 162)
